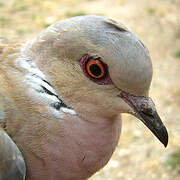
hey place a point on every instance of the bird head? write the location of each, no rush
(99, 68)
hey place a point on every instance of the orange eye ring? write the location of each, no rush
(95, 69)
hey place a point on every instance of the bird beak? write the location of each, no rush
(144, 109)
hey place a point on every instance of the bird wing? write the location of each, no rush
(12, 165)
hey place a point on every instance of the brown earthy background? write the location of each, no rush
(139, 155)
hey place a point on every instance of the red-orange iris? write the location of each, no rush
(95, 69)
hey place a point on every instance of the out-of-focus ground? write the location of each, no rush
(139, 155)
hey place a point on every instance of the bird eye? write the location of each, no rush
(95, 69)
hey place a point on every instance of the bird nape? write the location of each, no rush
(62, 94)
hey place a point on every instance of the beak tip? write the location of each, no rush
(166, 141)
(165, 145)
(164, 136)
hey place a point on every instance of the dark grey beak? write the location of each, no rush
(144, 109)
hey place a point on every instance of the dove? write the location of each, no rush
(62, 95)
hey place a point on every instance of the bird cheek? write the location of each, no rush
(123, 107)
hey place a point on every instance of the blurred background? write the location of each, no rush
(139, 155)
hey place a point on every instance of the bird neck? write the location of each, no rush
(94, 142)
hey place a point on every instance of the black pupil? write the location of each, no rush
(95, 70)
